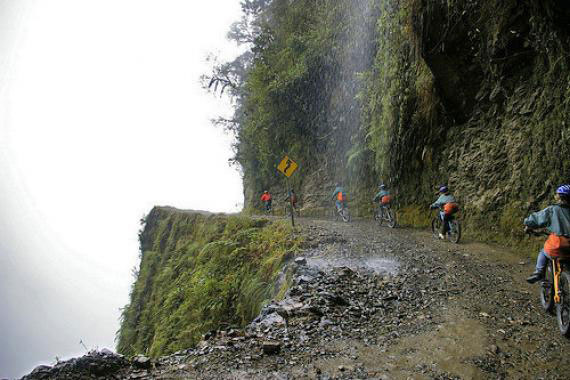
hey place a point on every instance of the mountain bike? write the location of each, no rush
(342, 213)
(454, 230)
(268, 209)
(384, 213)
(554, 290)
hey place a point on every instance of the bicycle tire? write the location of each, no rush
(391, 219)
(435, 227)
(380, 218)
(563, 308)
(456, 228)
(345, 215)
(546, 290)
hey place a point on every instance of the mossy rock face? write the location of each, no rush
(199, 272)
(413, 94)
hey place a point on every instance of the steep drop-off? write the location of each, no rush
(413, 93)
(200, 272)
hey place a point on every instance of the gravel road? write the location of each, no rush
(371, 302)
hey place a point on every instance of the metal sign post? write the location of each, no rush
(290, 203)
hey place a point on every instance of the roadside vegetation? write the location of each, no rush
(199, 273)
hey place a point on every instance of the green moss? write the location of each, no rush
(414, 216)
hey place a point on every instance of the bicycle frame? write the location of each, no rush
(556, 270)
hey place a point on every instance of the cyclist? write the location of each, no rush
(556, 220)
(266, 199)
(382, 197)
(339, 195)
(448, 206)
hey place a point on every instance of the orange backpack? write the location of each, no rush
(341, 196)
(386, 199)
(557, 245)
(450, 208)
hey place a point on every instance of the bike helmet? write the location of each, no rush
(443, 189)
(564, 190)
(382, 186)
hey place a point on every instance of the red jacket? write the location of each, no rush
(266, 197)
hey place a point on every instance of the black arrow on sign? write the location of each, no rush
(288, 166)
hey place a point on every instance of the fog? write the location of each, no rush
(101, 118)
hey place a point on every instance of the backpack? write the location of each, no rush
(557, 245)
(386, 199)
(450, 208)
(341, 196)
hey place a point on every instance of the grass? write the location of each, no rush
(204, 273)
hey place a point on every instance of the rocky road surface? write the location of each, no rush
(371, 302)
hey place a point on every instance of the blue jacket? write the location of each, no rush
(380, 194)
(443, 199)
(339, 189)
(556, 220)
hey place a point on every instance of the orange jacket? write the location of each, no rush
(266, 197)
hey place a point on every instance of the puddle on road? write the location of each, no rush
(378, 265)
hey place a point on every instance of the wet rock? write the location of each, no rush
(104, 364)
(208, 335)
(303, 280)
(141, 361)
(270, 348)
(301, 261)
(334, 298)
(40, 370)
(493, 349)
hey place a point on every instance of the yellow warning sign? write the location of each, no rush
(287, 166)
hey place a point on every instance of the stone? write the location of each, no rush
(107, 352)
(301, 261)
(40, 369)
(271, 348)
(141, 361)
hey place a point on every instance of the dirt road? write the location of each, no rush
(409, 307)
(373, 302)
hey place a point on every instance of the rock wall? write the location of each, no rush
(500, 72)
(472, 93)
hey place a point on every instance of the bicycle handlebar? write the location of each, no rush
(531, 232)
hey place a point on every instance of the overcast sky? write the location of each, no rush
(101, 118)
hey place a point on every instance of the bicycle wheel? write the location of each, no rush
(380, 216)
(563, 308)
(390, 218)
(546, 290)
(454, 231)
(435, 227)
(345, 215)
(376, 215)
